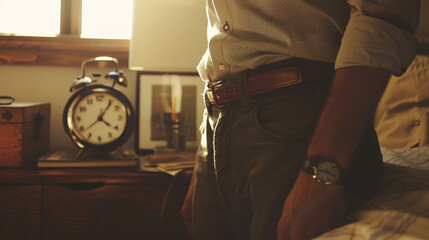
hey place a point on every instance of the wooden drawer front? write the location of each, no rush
(92, 211)
(20, 212)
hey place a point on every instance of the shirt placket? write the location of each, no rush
(225, 27)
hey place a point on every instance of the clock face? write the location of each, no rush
(327, 172)
(99, 118)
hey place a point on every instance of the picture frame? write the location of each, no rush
(159, 93)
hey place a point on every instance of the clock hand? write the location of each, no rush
(108, 106)
(92, 124)
(108, 124)
(100, 117)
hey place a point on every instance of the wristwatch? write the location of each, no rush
(324, 170)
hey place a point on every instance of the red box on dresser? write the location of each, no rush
(24, 133)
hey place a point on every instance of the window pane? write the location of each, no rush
(107, 19)
(30, 17)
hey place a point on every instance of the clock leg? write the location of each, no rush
(80, 152)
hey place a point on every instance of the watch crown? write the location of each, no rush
(325, 170)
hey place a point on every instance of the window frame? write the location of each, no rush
(67, 49)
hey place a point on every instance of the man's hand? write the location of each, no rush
(311, 209)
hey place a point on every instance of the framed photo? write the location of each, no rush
(167, 94)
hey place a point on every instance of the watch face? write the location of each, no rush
(99, 118)
(327, 172)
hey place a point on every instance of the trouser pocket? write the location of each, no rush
(289, 113)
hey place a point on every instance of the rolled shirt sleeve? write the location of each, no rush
(380, 33)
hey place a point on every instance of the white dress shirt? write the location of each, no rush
(402, 116)
(244, 34)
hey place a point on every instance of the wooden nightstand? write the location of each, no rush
(90, 204)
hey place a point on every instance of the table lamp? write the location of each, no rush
(168, 35)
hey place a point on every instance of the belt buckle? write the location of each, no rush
(210, 96)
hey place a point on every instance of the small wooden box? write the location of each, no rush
(24, 133)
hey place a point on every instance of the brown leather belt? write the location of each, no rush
(265, 81)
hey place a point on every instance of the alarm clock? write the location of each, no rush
(98, 117)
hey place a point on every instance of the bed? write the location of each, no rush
(401, 210)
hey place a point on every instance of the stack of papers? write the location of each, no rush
(171, 161)
(70, 159)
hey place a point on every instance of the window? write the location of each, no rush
(64, 32)
(20, 18)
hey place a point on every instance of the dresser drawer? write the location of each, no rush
(100, 211)
(20, 212)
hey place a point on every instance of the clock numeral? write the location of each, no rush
(78, 118)
(116, 127)
(81, 129)
(120, 118)
(99, 98)
(99, 138)
(89, 135)
(82, 109)
(116, 107)
(110, 135)
(89, 101)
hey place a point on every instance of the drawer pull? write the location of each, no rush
(83, 186)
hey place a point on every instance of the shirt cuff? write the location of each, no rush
(376, 43)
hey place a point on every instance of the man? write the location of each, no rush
(276, 111)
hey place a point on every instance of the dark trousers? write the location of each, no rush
(250, 155)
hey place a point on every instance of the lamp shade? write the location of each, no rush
(168, 35)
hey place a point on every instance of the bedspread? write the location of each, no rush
(401, 210)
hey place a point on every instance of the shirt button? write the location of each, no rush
(226, 26)
(222, 67)
(416, 122)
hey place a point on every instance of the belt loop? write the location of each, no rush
(207, 103)
(244, 90)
